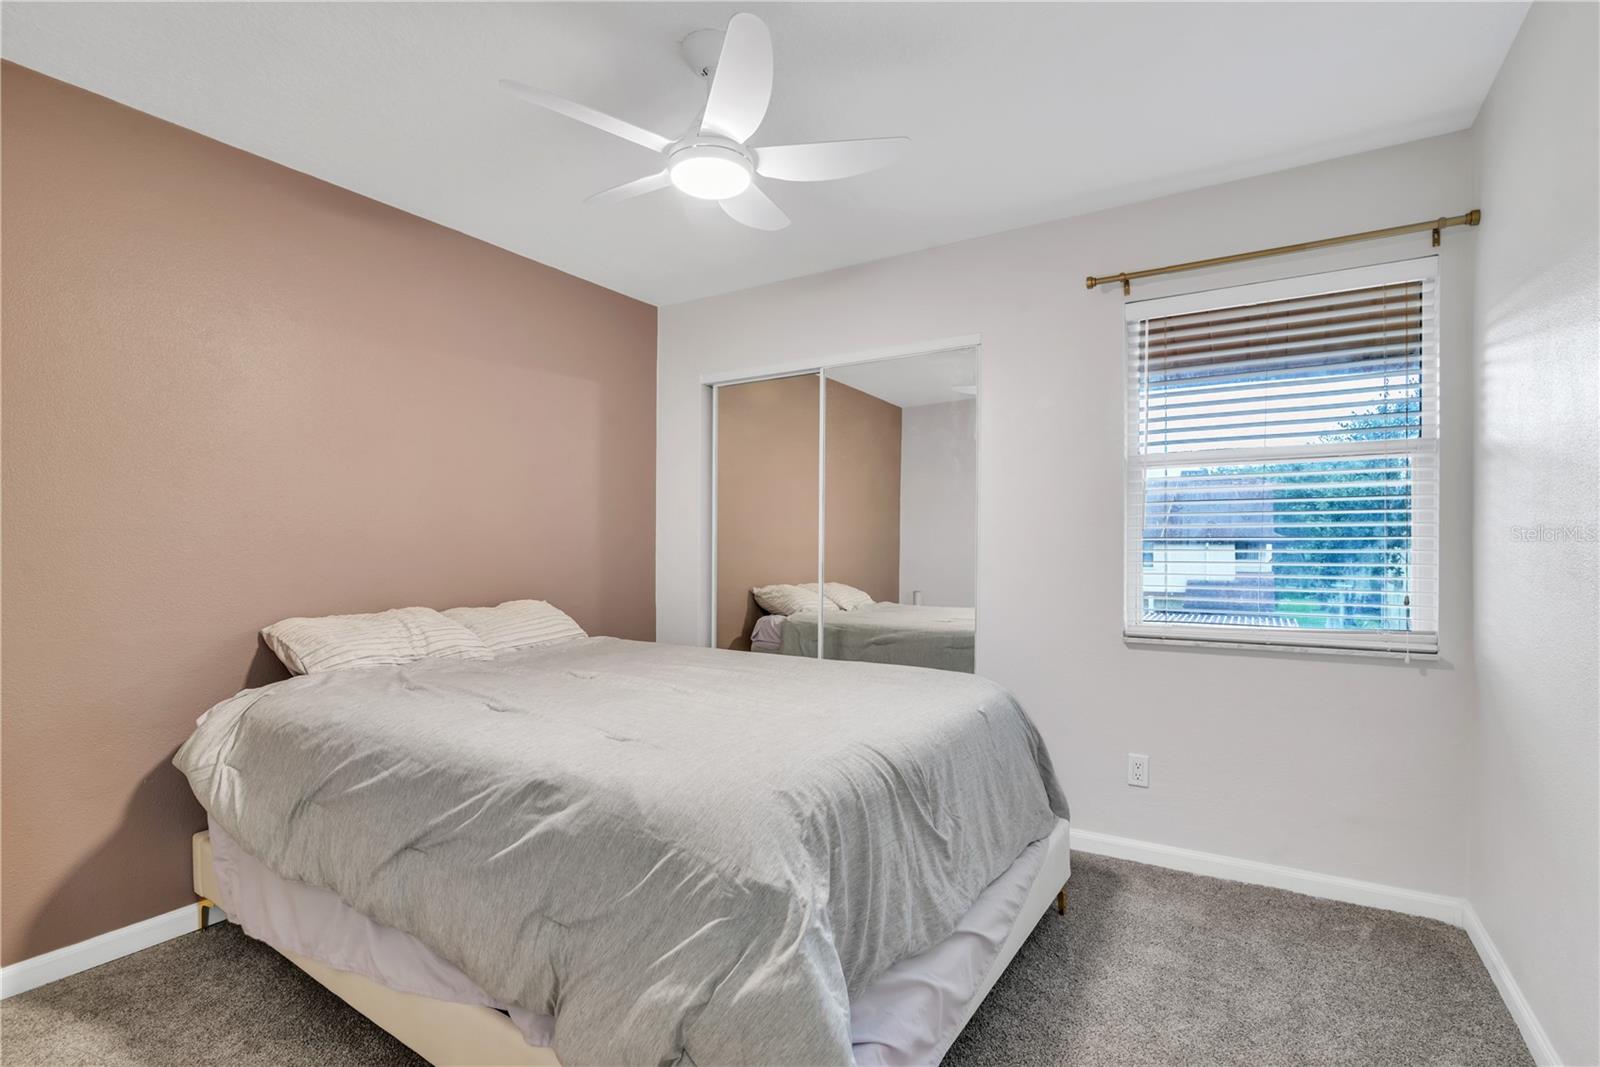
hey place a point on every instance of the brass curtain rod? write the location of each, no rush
(1471, 218)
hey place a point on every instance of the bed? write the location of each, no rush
(830, 887)
(913, 635)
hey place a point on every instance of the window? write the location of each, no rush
(1283, 463)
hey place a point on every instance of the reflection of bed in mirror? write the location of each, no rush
(916, 635)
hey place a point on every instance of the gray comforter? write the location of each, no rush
(916, 635)
(681, 854)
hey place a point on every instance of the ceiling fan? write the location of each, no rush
(712, 160)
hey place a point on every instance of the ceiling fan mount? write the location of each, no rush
(700, 50)
(714, 160)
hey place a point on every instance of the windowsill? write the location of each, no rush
(1427, 656)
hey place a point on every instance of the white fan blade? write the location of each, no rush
(742, 85)
(598, 119)
(754, 209)
(827, 160)
(628, 190)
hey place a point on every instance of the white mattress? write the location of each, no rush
(768, 633)
(910, 1015)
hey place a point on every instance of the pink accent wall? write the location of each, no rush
(234, 393)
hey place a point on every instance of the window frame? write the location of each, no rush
(1136, 631)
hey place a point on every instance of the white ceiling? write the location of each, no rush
(1018, 113)
(913, 381)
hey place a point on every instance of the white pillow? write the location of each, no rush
(786, 599)
(518, 624)
(848, 597)
(341, 642)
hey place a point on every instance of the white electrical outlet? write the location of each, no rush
(1139, 770)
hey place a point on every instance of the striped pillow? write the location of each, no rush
(785, 599)
(517, 624)
(340, 642)
(848, 597)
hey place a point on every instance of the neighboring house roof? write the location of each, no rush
(1212, 618)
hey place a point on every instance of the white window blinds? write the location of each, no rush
(1283, 463)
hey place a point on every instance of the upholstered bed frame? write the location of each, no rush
(448, 1034)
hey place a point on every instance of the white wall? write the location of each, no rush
(1533, 880)
(939, 502)
(1343, 765)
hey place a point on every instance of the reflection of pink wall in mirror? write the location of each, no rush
(234, 393)
(863, 485)
(767, 494)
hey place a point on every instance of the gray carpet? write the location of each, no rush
(1149, 967)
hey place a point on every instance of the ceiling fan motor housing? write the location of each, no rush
(710, 167)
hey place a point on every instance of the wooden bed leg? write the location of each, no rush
(1061, 901)
(204, 904)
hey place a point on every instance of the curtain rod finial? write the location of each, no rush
(1090, 282)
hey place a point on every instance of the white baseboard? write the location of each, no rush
(1254, 872)
(1544, 1053)
(32, 973)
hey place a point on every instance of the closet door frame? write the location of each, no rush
(820, 367)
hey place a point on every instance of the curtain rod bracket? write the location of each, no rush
(1437, 226)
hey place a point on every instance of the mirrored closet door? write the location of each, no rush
(845, 512)
(766, 480)
(900, 506)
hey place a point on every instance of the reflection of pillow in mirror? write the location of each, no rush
(785, 599)
(848, 597)
(812, 589)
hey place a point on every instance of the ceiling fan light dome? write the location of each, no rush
(710, 173)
